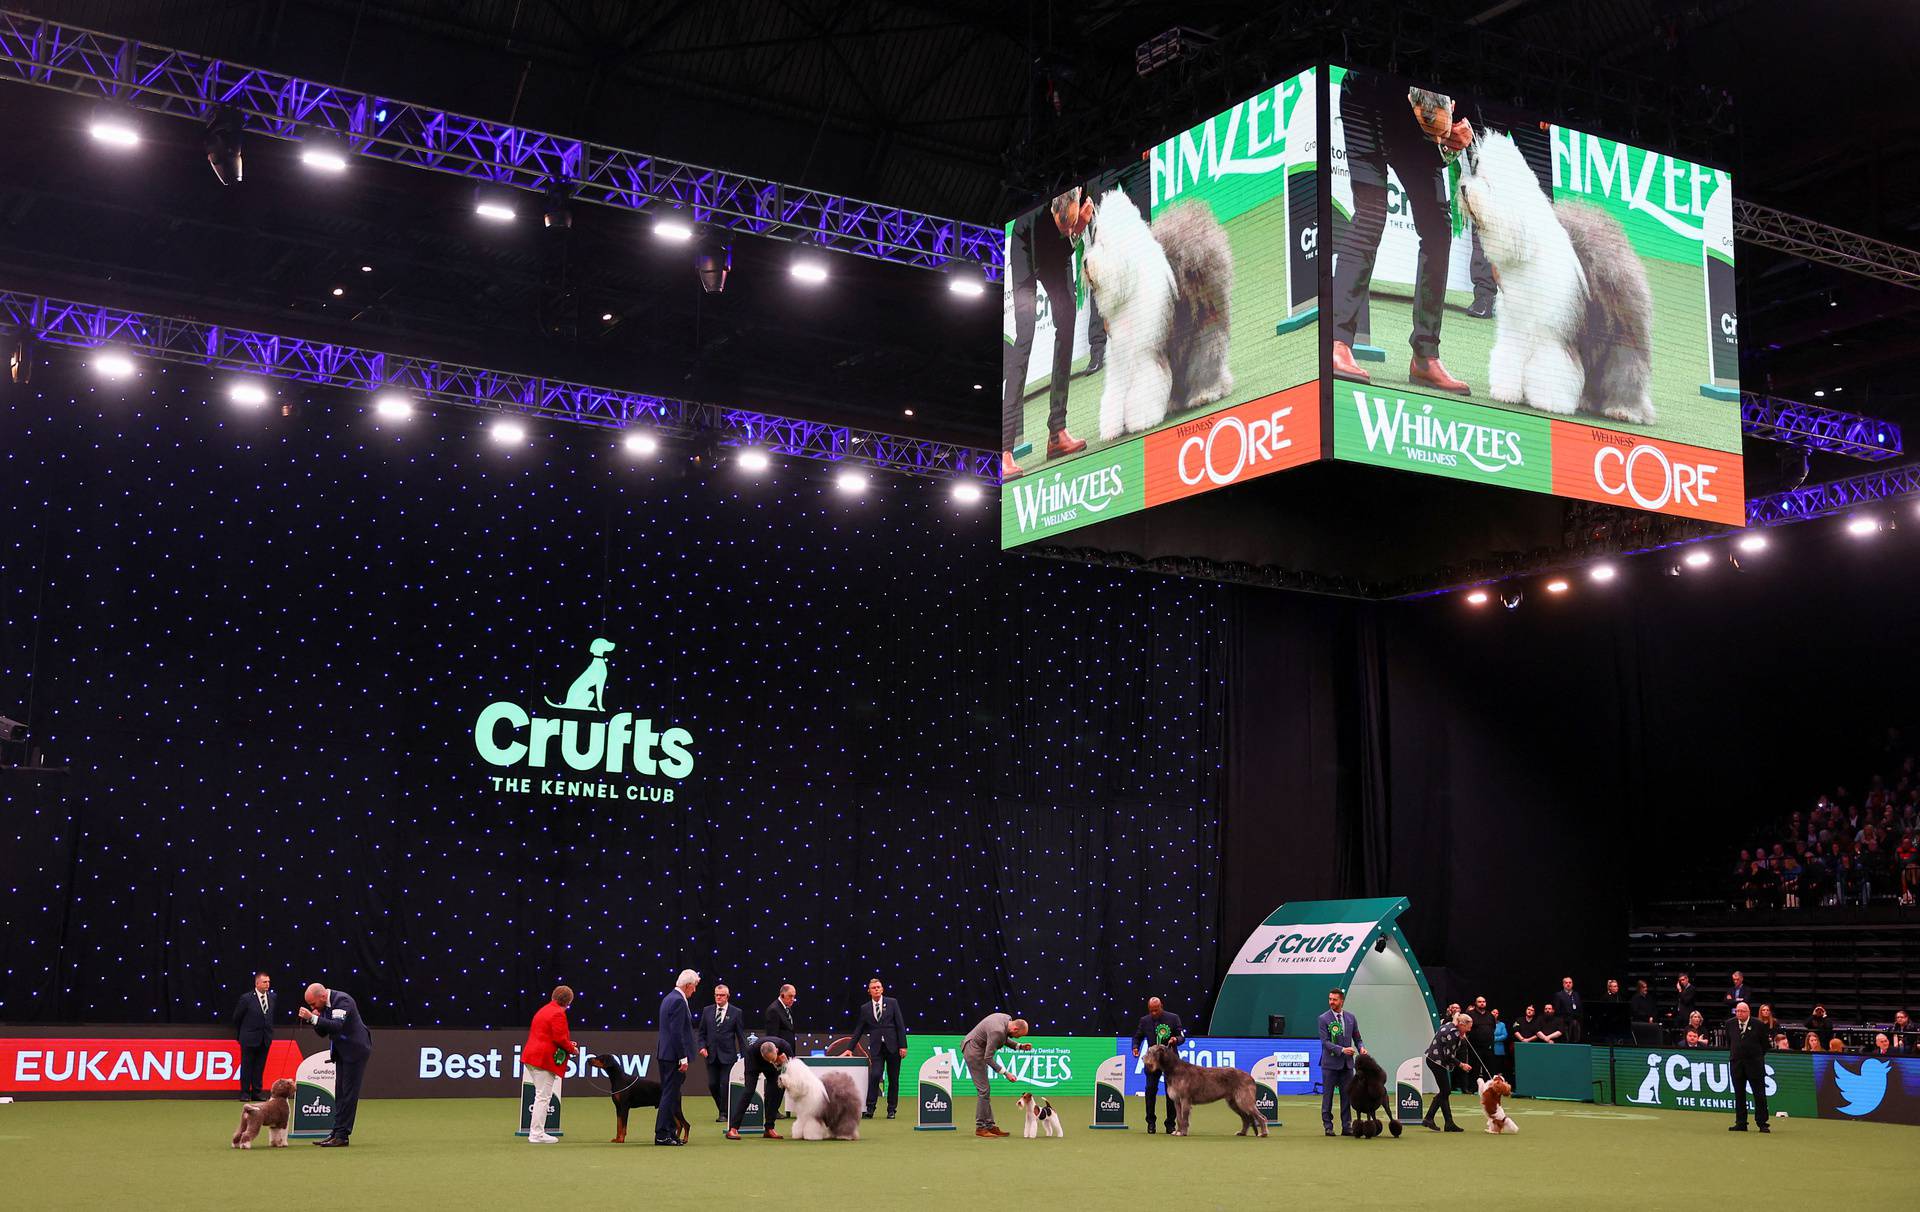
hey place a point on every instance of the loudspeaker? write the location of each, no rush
(1276, 1024)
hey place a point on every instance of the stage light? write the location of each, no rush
(114, 126)
(673, 229)
(851, 482)
(712, 258)
(493, 204)
(508, 433)
(1556, 586)
(1601, 572)
(20, 360)
(112, 364)
(976, 387)
(556, 208)
(1477, 598)
(222, 142)
(323, 153)
(1860, 526)
(366, 269)
(606, 317)
(966, 279)
(752, 459)
(1819, 394)
(393, 406)
(249, 395)
(1751, 543)
(1697, 559)
(1511, 598)
(338, 291)
(640, 443)
(809, 265)
(966, 492)
(907, 412)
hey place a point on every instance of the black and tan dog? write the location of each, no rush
(630, 1090)
(1367, 1094)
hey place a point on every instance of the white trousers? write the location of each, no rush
(545, 1086)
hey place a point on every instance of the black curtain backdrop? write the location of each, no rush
(995, 781)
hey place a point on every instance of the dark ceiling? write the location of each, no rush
(936, 106)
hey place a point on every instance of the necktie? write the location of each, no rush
(723, 1014)
(263, 1003)
(876, 1009)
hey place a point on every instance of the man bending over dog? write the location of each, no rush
(763, 1062)
(992, 1033)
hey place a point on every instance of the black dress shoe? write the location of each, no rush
(890, 1113)
(1481, 309)
(1329, 1131)
(670, 1141)
(1096, 361)
(332, 1142)
(866, 1115)
(1455, 1128)
(1429, 1125)
(1150, 1128)
(1346, 1129)
(1766, 1129)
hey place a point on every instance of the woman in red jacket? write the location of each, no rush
(544, 1059)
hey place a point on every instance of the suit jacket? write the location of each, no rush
(1683, 1003)
(251, 1025)
(780, 1020)
(724, 1042)
(676, 1031)
(548, 1033)
(347, 1037)
(1741, 993)
(1331, 1058)
(1750, 1045)
(1569, 1003)
(884, 1036)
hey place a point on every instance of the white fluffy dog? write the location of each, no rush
(1128, 273)
(825, 1106)
(1575, 309)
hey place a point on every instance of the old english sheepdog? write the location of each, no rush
(1575, 309)
(825, 1106)
(1202, 262)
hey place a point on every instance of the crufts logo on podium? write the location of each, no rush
(508, 735)
(1864, 1090)
(1325, 947)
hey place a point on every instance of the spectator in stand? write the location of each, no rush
(1739, 993)
(1683, 998)
(1553, 1028)
(1781, 1043)
(1527, 1030)
(1694, 1039)
(1766, 1020)
(1836, 1045)
(1883, 1046)
(1820, 1025)
(1697, 1025)
(1572, 1009)
(1812, 1044)
(1480, 1035)
(1502, 1055)
(1816, 879)
(1852, 882)
(1907, 856)
(1790, 874)
(1640, 1007)
(1902, 1032)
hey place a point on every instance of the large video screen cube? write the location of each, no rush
(1503, 300)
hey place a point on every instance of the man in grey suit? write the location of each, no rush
(1339, 1044)
(992, 1033)
(722, 1035)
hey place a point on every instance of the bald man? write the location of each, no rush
(989, 1035)
(1157, 1026)
(337, 1017)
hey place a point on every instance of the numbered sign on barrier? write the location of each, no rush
(1110, 1093)
(313, 1097)
(526, 1109)
(936, 1094)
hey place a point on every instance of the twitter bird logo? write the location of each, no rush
(1863, 1090)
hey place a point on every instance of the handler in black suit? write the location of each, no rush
(723, 1037)
(1158, 1026)
(780, 1014)
(762, 1063)
(253, 1027)
(336, 1016)
(1572, 1008)
(1747, 1046)
(883, 1029)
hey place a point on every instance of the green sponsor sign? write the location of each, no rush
(1441, 436)
(1661, 201)
(1089, 489)
(1238, 159)
(1697, 1079)
(1058, 1066)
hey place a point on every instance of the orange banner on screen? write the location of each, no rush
(1644, 473)
(1233, 445)
(82, 1065)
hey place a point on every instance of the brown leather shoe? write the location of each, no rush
(1063, 443)
(1344, 367)
(1008, 468)
(770, 1134)
(1428, 372)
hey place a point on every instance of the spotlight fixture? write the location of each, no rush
(809, 265)
(966, 492)
(1862, 525)
(222, 140)
(20, 361)
(366, 269)
(1511, 598)
(852, 483)
(906, 412)
(338, 291)
(712, 258)
(752, 459)
(966, 279)
(507, 433)
(672, 228)
(493, 204)
(556, 207)
(1477, 597)
(1751, 543)
(393, 406)
(249, 395)
(640, 443)
(1556, 586)
(1697, 558)
(323, 153)
(978, 386)
(606, 317)
(114, 126)
(112, 364)
(1601, 572)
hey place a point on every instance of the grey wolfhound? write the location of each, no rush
(1189, 1084)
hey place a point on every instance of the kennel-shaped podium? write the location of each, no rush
(1305, 948)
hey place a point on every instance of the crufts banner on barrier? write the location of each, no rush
(1306, 948)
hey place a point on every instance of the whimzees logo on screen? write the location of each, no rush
(508, 735)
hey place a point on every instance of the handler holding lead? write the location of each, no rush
(994, 1032)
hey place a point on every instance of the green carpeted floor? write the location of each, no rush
(457, 1153)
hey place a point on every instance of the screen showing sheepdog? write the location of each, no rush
(1516, 302)
(1181, 287)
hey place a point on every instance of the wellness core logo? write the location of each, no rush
(508, 735)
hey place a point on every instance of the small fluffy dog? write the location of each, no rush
(273, 1115)
(1041, 1117)
(630, 1090)
(1367, 1095)
(1189, 1084)
(825, 1106)
(1498, 1121)
(1128, 273)
(1202, 263)
(1575, 315)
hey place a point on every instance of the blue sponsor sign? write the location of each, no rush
(1876, 1089)
(1297, 1071)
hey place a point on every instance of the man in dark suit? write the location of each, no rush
(1739, 992)
(1747, 1047)
(1339, 1043)
(1684, 997)
(761, 1063)
(1572, 1008)
(1158, 1026)
(779, 1019)
(337, 1016)
(670, 1055)
(723, 1037)
(253, 1027)
(881, 1026)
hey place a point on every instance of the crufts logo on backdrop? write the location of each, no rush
(1328, 947)
(508, 735)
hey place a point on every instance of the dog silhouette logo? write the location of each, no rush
(589, 689)
(1649, 1094)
